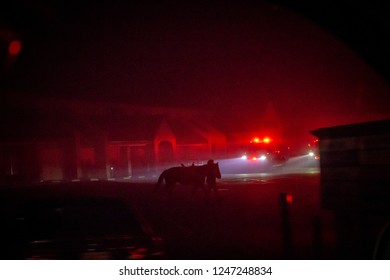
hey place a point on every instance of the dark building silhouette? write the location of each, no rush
(355, 183)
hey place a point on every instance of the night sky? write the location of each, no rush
(229, 57)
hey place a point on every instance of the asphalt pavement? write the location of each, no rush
(246, 219)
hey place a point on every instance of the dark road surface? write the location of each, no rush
(243, 221)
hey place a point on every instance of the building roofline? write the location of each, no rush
(354, 130)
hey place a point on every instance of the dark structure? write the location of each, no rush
(355, 183)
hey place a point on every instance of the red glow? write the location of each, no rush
(289, 198)
(138, 253)
(14, 48)
(255, 140)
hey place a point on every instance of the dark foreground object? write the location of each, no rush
(56, 222)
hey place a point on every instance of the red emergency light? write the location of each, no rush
(266, 140)
(257, 140)
(289, 198)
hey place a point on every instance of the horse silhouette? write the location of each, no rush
(191, 175)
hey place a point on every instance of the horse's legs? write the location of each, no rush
(213, 187)
(169, 186)
(204, 188)
(156, 188)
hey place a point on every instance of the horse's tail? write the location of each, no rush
(160, 179)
